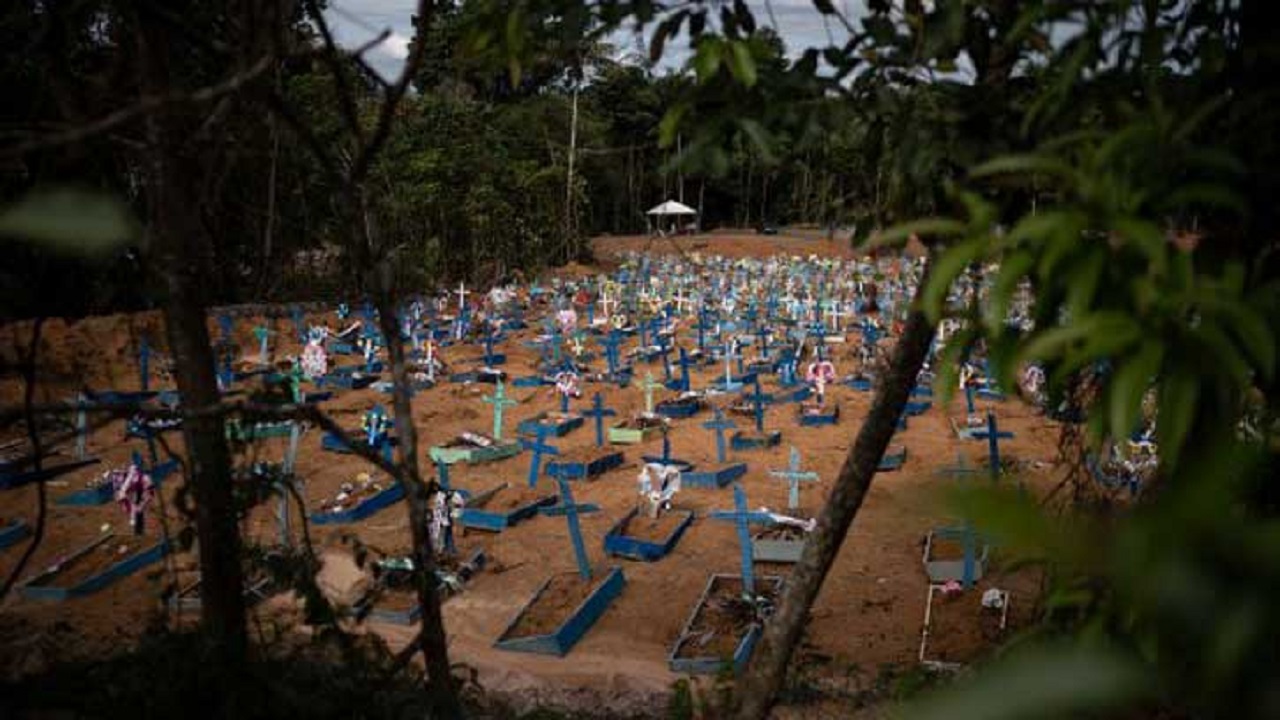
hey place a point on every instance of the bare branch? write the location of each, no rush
(331, 54)
(382, 130)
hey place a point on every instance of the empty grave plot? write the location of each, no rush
(655, 530)
(960, 629)
(514, 497)
(92, 561)
(562, 596)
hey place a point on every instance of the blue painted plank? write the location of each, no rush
(715, 477)
(41, 587)
(365, 508)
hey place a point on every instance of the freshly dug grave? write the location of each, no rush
(554, 605)
(723, 619)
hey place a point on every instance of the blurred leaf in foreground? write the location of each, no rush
(70, 221)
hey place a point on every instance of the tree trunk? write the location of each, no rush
(182, 252)
(768, 668)
(434, 646)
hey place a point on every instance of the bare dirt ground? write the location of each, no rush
(869, 613)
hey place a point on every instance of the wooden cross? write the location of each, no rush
(538, 447)
(571, 511)
(681, 301)
(758, 399)
(144, 363)
(993, 445)
(683, 384)
(488, 347)
(262, 333)
(729, 355)
(610, 343)
(599, 412)
(462, 292)
(720, 423)
(500, 402)
(649, 386)
(741, 518)
(794, 476)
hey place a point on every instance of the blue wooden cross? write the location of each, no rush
(794, 476)
(741, 518)
(226, 324)
(442, 475)
(611, 342)
(599, 412)
(299, 326)
(994, 434)
(538, 447)
(683, 384)
(720, 423)
(226, 376)
(758, 399)
(762, 336)
(571, 510)
(262, 333)
(968, 397)
(488, 347)
(144, 362)
(369, 325)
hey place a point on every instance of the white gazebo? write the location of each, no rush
(669, 209)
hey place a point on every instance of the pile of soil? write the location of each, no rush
(557, 601)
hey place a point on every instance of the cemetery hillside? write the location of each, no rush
(560, 359)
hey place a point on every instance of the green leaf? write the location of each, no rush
(1178, 395)
(741, 64)
(1014, 267)
(1073, 681)
(706, 62)
(1026, 165)
(946, 268)
(900, 233)
(1129, 384)
(670, 124)
(70, 221)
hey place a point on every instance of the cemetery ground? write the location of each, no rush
(868, 616)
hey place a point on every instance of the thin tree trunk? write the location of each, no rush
(768, 669)
(568, 186)
(434, 644)
(268, 232)
(182, 251)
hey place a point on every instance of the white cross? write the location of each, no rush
(681, 301)
(835, 313)
(607, 302)
(462, 293)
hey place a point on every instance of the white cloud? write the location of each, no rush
(396, 45)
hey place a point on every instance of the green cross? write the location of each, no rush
(500, 402)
